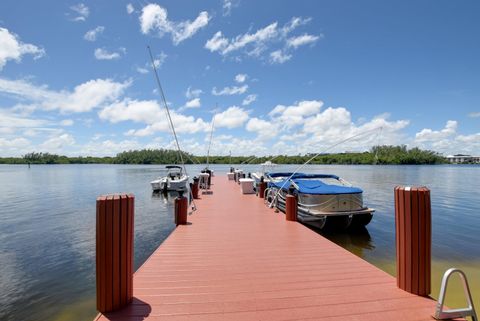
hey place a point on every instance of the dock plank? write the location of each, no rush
(239, 260)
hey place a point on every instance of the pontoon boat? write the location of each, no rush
(322, 200)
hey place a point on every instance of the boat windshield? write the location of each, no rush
(330, 181)
(333, 181)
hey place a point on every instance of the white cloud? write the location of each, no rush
(264, 129)
(92, 35)
(81, 12)
(466, 144)
(258, 39)
(474, 114)
(427, 134)
(320, 130)
(279, 57)
(14, 146)
(194, 103)
(150, 113)
(160, 59)
(11, 48)
(38, 131)
(193, 93)
(293, 115)
(294, 23)
(103, 54)
(230, 90)
(154, 18)
(232, 117)
(473, 139)
(302, 40)
(23, 90)
(130, 8)
(448, 141)
(256, 43)
(249, 99)
(57, 143)
(91, 94)
(85, 97)
(228, 5)
(217, 42)
(241, 78)
(338, 118)
(145, 111)
(142, 70)
(12, 120)
(109, 147)
(238, 146)
(67, 122)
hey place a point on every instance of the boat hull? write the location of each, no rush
(167, 184)
(336, 212)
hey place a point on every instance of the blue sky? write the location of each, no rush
(278, 77)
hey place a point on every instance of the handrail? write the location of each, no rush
(469, 311)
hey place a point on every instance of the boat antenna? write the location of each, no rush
(375, 159)
(316, 155)
(194, 160)
(179, 150)
(271, 159)
(211, 135)
(230, 159)
(254, 157)
(248, 160)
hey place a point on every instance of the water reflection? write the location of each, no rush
(166, 197)
(47, 227)
(357, 241)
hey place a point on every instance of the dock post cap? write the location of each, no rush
(291, 189)
(411, 188)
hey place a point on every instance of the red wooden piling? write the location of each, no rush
(114, 251)
(291, 208)
(261, 189)
(181, 208)
(195, 184)
(413, 239)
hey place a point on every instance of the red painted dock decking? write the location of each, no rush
(238, 260)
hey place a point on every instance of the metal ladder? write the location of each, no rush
(469, 311)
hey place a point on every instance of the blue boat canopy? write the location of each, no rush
(316, 186)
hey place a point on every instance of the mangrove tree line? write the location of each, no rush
(377, 155)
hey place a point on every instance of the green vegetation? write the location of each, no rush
(395, 155)
(47, 158)
(377, 155)
(151, 156)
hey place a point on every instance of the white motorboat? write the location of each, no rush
(174, 180)
(266, 167)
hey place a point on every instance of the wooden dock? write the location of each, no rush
(239, 260)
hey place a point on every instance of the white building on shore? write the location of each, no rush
(460, 158)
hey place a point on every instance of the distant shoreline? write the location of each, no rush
(241, 165)
(378, 155)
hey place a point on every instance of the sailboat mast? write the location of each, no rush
(211, 135)
(167, 110)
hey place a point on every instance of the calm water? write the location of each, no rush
(47, 228)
